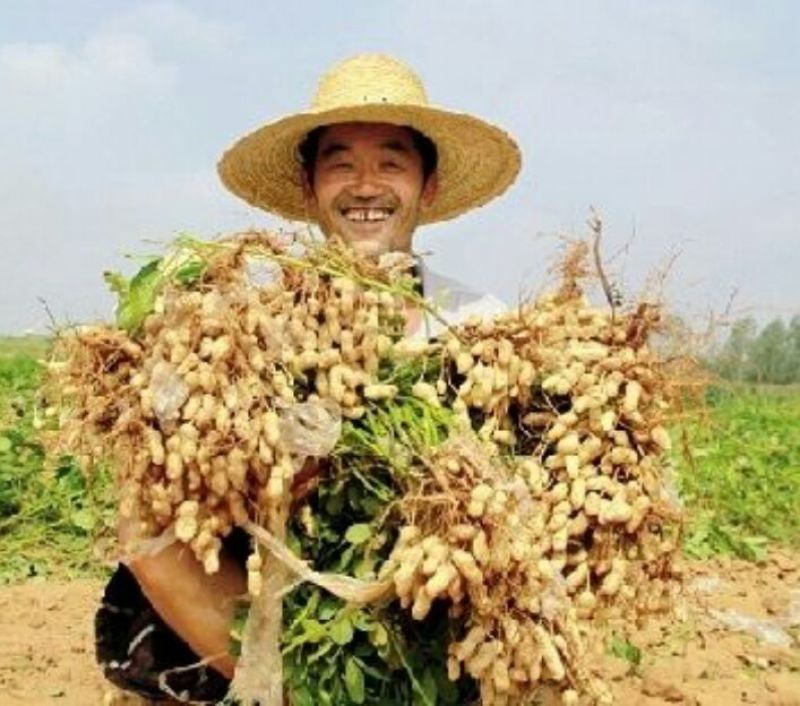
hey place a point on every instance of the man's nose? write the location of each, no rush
(366, 183)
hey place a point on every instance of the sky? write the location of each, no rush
(677, 120)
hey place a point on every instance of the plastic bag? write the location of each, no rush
(307, 429)
(169, 391)
(554, 598)
(311, 428)
(260, 272)
(767, 631)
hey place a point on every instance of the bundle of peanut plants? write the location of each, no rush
(433, 521)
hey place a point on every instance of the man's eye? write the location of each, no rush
(392, 166)
(341, 166)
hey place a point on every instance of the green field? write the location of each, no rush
(49, 515)
(738, 473)
(34, 347)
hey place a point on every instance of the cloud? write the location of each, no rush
(110, 100)
(105, 58)
(39, 64)
(67, 108)
(133, 57)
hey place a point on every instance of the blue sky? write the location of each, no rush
(677, 120)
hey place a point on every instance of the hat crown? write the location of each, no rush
(369, 78)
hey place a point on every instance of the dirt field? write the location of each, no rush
(47, 657)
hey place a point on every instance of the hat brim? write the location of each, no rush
(477, 161)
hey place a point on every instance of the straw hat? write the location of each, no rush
(477, 161)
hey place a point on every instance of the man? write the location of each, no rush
(369, 162)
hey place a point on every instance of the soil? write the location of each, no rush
(705, 655)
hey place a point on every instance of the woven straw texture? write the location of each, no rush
(477, 160)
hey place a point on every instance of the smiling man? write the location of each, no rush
(369, 162)
(367, 182)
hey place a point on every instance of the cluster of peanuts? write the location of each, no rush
(192, 408)
(567, 519)
(474, 540)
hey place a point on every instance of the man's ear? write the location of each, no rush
(430, 189)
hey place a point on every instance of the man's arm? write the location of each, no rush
(199, 607)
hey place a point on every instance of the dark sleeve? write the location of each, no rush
(135, 647)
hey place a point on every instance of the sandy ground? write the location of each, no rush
(47, 654)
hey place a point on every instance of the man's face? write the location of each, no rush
(368, 186)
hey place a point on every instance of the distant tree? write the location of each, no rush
(771, 354)
(733, 359)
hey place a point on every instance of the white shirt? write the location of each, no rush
(455, 302)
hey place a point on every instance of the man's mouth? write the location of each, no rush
(367, 215)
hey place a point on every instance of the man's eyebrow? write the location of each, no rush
(396, 146)
(332, 149)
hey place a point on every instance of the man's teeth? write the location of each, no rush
(367, 214)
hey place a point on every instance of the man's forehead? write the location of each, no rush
(381, 133)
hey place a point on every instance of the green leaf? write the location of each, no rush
(358, 534)
(363, 621)
(190, 272)
(5, 444)
(302, 697)
(69, 476)
(320, 652)
(328, 607)
(354, 681)
(83, 519)
(293, 543)
(429, 686)
(136, 299)
(341, 631)
(116, 283)
(625, 650)
(379, 636)
(313, 631)
(145, 274)
(365, 568)
(345, 559)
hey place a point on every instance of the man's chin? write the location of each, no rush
(368, 248)
(368, 244)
